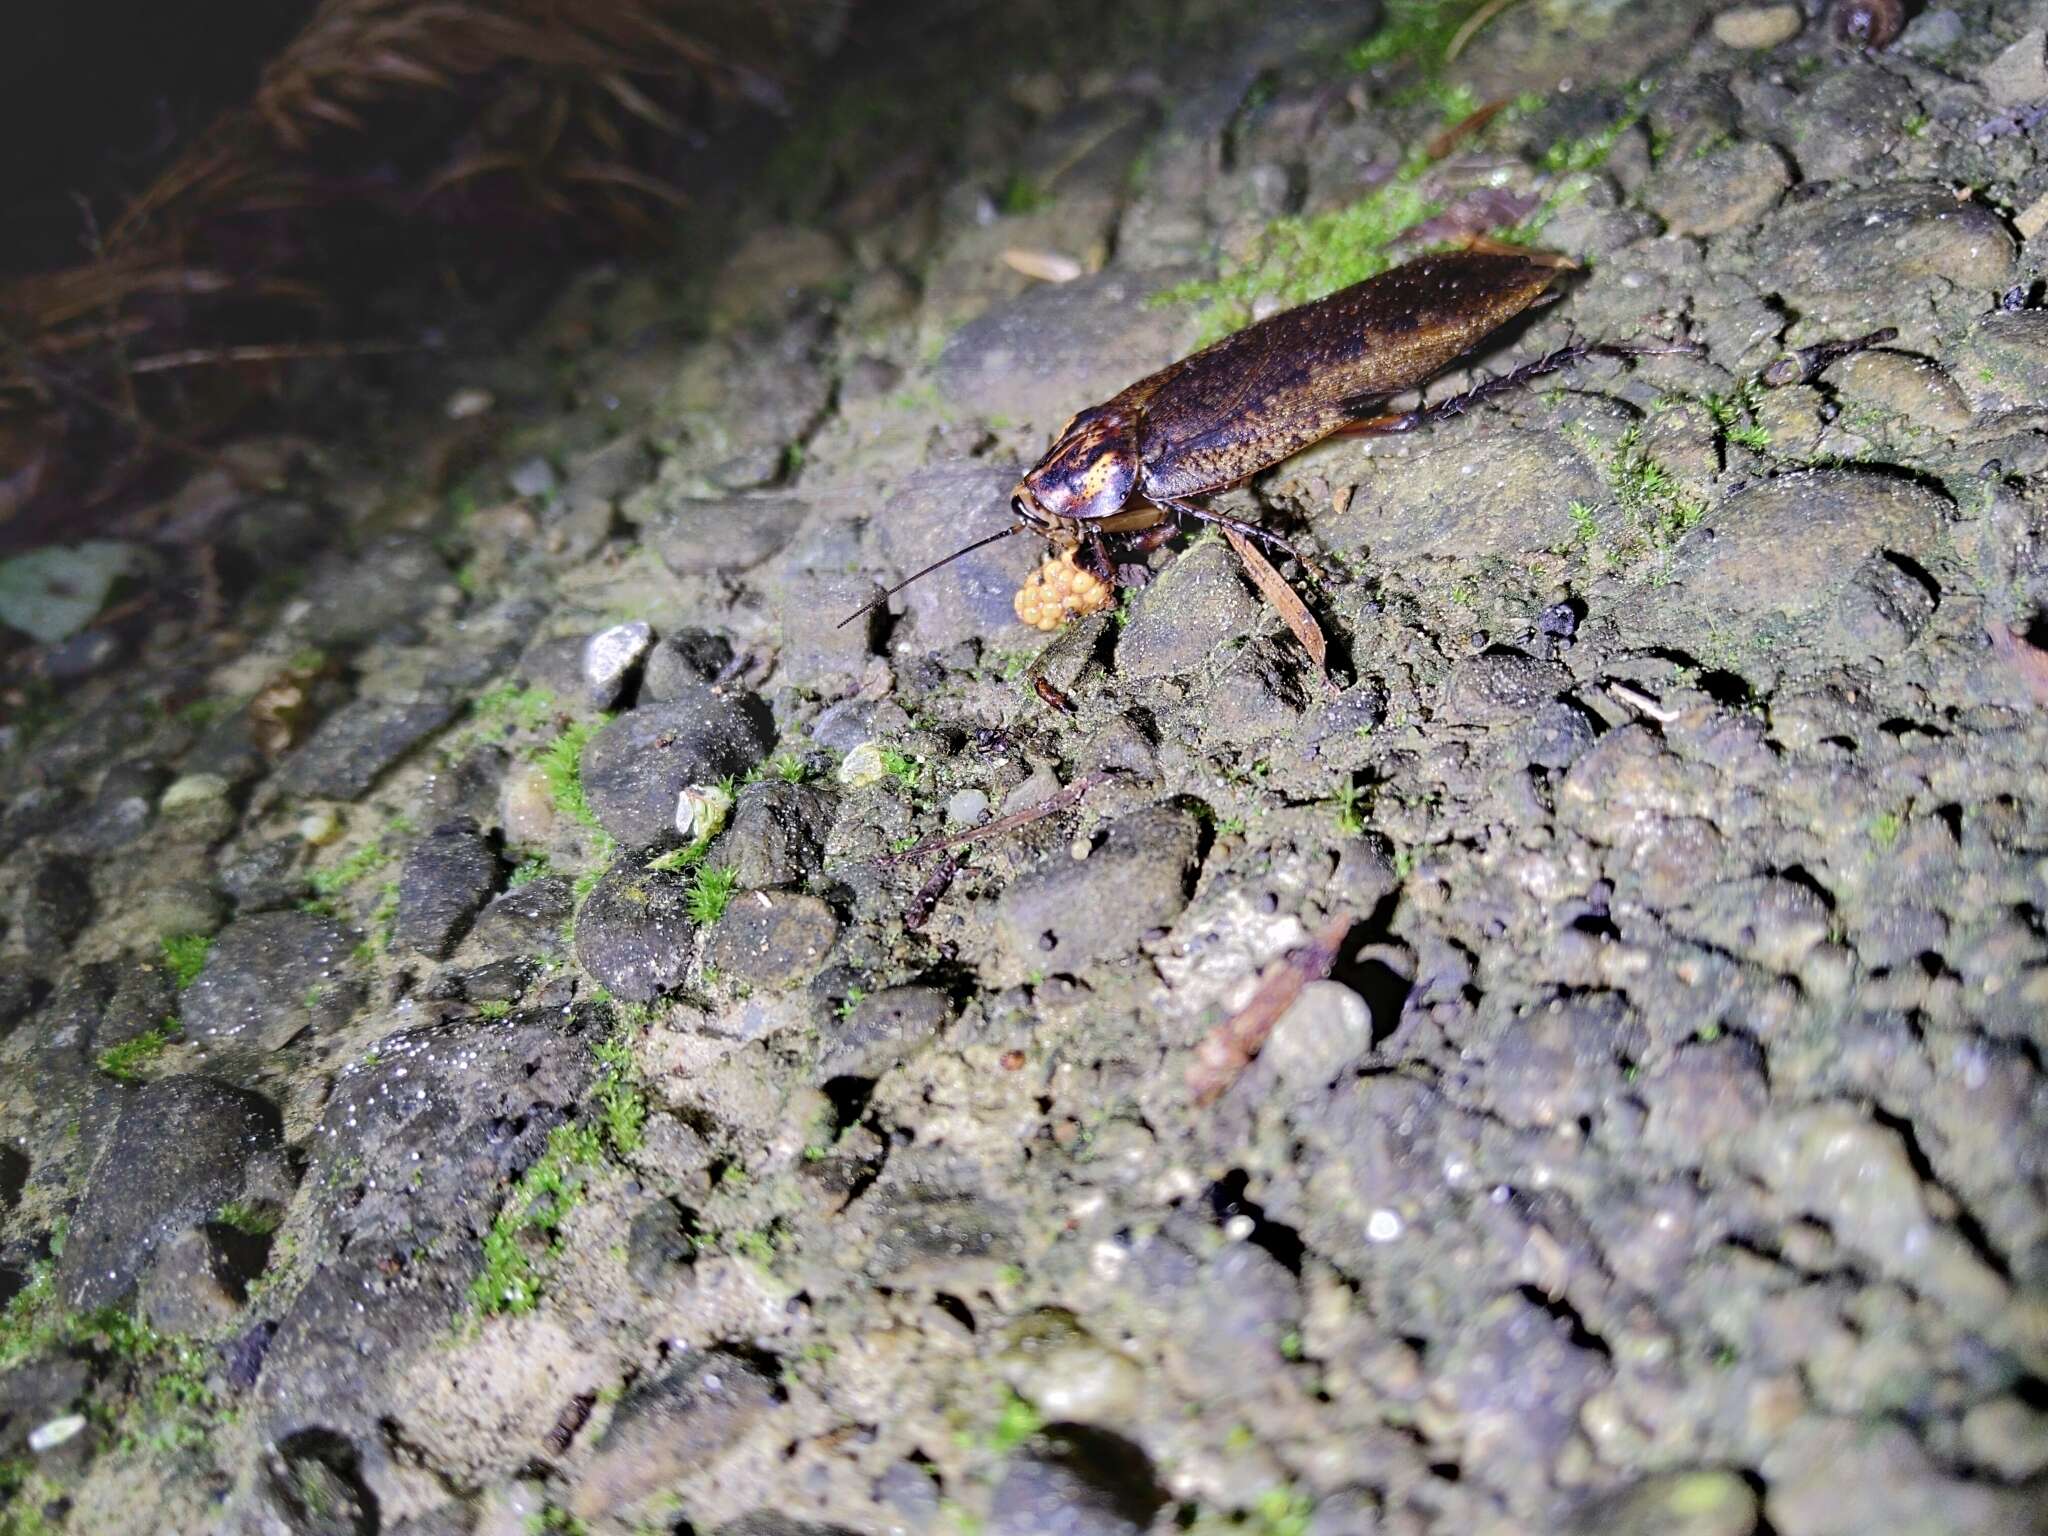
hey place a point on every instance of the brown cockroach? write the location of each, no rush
(1121, 475)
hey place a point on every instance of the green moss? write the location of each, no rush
(185, 956)
(903, 769)
(1304, 258)
(711, 894)
(127, 1061)
(1885, 828)
(681, 858)
(527, 1232)
(495, 1008)
(561, 765)
(1350, 809)
(1021, 195)
(1414, 31)
(1017, 1422)
(790, 768)
(336, 878)
(1584, 524)
(243, 1217)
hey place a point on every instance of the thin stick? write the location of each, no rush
(928, 896)
(1230, 1046)
(1051, 805)
(1470, 30)
(1284, 598)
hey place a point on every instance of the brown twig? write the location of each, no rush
(1051, 805)
(929, 895)
(1229, 1048)
(1283, 597)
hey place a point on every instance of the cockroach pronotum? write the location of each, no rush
(1121, 475)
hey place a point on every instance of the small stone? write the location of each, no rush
(193, 793)
(192, 1285)
(883, 1030)
(355, 745)
(2018, 77)
(1725, 189)
(967, 808)
(50, 594)
(528, 919)
(269, 978)
(444, 879)
(532, 478)
(828, 630)
(178, 1152)
(318, 828)
(635, 768)
(682, 659)
(1845, 257)
(1195, 605)
(609, 657)
(1104, 905)
(57, 906)
(778, 834)
(771, 938)
(1885, 606)
(634, 933)
(1697, 1503)
(658, 1244)
(52, 1433)
(1068, 1374)
(1082, 1482)
(1326, 1031)
(1557, 734)
(1911, 387)
(1756, 27)
(863, 766)
(2008, 1436)
(1500, 688)
(734, 534)
(669, 1428)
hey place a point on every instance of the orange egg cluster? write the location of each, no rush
(1060, 590)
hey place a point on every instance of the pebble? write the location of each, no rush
(636, 768)
(1322, 1034)
(863, 767)
(1065, 912)
(1084, 1482)
(670, 1427)
(967, 808)
(771, 938)
(532, 478)
(633, 931)
(269, 978)
(178, 1152)
(2018, 77)
(609, 657)
(1755, 27)
(444, 879)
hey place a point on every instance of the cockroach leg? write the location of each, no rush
(1238, 525)
(1096, 561)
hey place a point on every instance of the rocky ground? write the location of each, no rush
(410, 1127)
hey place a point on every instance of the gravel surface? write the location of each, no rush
(479, 1054)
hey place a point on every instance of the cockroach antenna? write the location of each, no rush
(968, 549)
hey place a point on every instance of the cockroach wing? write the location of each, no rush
(1272, 389)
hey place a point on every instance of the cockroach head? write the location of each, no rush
(1088, 474)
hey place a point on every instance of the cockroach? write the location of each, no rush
(1869, 23)
(1121, 475)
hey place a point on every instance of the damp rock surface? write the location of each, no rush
(955, 1120)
